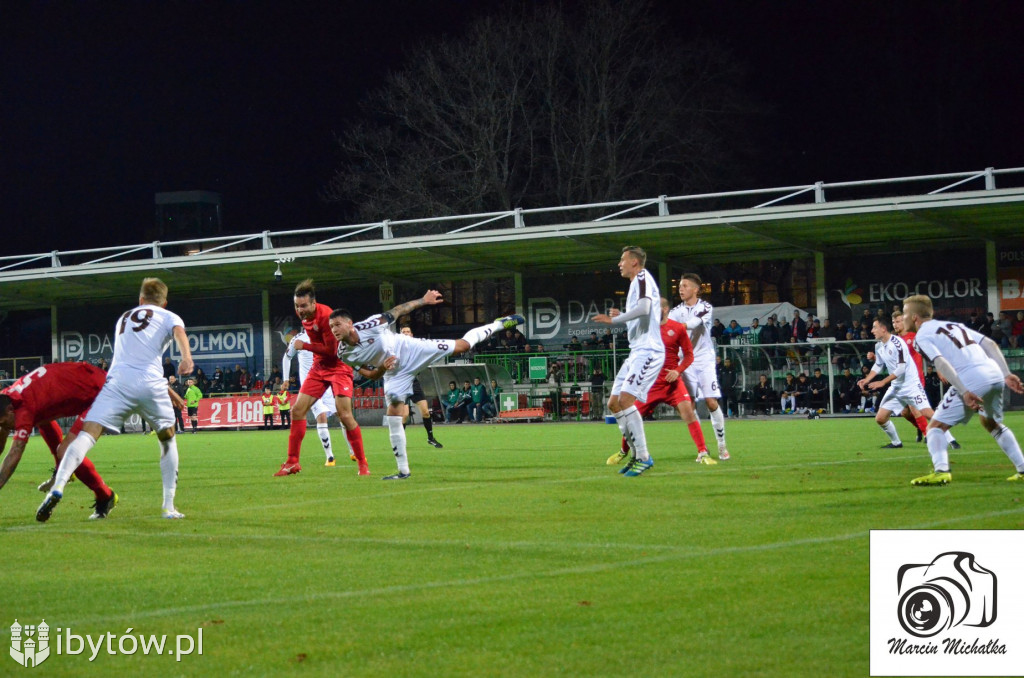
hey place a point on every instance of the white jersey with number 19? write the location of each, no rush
(141, 337)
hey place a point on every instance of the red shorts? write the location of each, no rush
(318, 381)
(664, 392)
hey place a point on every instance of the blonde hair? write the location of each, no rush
(153, 291)
(637, 253)
(305, 289)
(919, 304)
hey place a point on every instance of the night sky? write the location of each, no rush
(104, 104)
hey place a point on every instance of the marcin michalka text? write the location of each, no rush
(949, 646)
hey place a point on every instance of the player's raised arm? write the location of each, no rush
(181, 339)
(431, 298)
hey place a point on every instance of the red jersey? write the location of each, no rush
(676, 339)
(908, 339)
(52, 391)
(321, 340)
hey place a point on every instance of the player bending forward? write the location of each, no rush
(976, 371)
(135, 383)
(44, 394)
(670, 389)
(371, 345)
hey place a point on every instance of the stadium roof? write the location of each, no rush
(488, 246)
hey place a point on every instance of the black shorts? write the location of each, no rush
(193, 411)
(417, 392)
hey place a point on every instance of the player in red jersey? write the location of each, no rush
(909, 413)
(670, 389)
(44, 394)
(327, 372)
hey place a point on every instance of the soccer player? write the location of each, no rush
(419, 399)
(646, 356)
(192, 397)
(911, 413)
(373, 348)
(670, 389)
(135, 383)
(322, 407)
(904, 388)
(327, 372)
(44, 394)
(701, 377)
(976, 371)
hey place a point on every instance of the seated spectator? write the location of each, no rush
(764, 396)
(244, 379)
(818, 398)
(868, 399)
(592, 343)
(717, 331)
(803, 393)
(787, 403)
(847, 393)
(1017, 331)
(454, 404)
(574, 344)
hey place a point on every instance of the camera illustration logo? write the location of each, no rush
(951, 590)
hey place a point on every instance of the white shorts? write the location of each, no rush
(989, 387)
(910, 392)
(325, 405)
(638, 373)
(702, 381)
(413, 356)
(128, 393)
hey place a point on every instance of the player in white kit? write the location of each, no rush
(904, 386)
(372, 346)
(135, 384)
(976, 371)
(641, 368)
(322, 408)
(701, 377)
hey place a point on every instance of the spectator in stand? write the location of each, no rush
(933, 386)
(170, 369)
(839, 330)
(764, 396)
(597, 380)
(770, 335)
(803, 394)
(732, 333)
(608, 339)
(231, 379)
(726, 382)
(275, 375)
(1001, 330)
(755, 332)
(104, 364)
(867, 319)
(785, 332)
(244, 380)
(477, 398)
(825, 329)
(593, 343)
(217, 383)
(818, 399)
(717, 331)
(793, 354)
(1017, 331)
(847, 394)
(201, 380)
(574, 344)
(798, 328)
(990, 321)
(787, 403)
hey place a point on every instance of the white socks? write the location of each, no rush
(632, 426)
(397, 432)
(949, 437)
(169, 470)
(894, 437)
(325, 438)
(478, 334)
(937, 448)
(718, 425)
(73, 458)
(1008, 444)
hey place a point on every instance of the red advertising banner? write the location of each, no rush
(232, 411)
(1010, 271)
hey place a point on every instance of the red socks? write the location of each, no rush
(296, 433)
(355, 439)
(698, 436)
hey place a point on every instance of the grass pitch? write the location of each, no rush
(514, 551)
